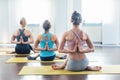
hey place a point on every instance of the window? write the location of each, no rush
(96, 12)
(36, 11)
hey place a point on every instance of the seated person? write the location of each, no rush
(48, 43)
(24, 38)
(75, 39)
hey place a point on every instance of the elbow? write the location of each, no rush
(93, 50)
(11, 42)
(56, 49)
(60, 51)
(32, 41)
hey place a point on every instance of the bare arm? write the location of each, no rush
(13, 39)
(56, 43)
(62, 44)
(90, 46)
(37, 43)
(29, 42)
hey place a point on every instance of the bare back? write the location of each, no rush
(53, 38)
(26, 32)
(70, 38)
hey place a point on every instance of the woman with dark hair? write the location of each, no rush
(46, 41)
(75, 40)
(22, 35)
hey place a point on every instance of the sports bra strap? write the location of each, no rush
(21, 31)
(47, 35)
(77, 36)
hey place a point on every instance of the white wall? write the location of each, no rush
(14, 15)
(13, 10)
(61, 11)
(111, 29)
(118, 15)
(94, 32)
(109, 32)
(60, 17)
(3, 21)
(69, 13)
(77, 5)
(35, 12)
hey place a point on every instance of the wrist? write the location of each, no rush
(71, 51)
(18, 42)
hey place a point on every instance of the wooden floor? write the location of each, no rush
(105, 55)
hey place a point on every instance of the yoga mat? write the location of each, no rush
(47, 70)
(5, 53)
(9, 53)
(25, 60)
(6, 49)
(13, 54)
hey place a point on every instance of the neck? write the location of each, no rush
(22, 27)
(76, 27)
(46, 32)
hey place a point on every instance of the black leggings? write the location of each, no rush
(23, 49)
(51, 58)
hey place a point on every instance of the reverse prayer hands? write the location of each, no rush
(22, 40)
(46, 47)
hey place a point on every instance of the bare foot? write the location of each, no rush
(35, 51)
(94, 68)
(10, 52)
(57, 67)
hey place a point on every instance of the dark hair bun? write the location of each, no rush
(46, 25)
(75, 12)
(76, 18)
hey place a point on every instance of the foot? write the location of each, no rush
(31, 58)
(10, 52)
(57, 67)
(35, 51)
(94, 68)
(63, 57)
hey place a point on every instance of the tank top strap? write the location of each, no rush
(77, 36)
(21, 32)
(47, 37)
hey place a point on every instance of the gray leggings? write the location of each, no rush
(77, 65)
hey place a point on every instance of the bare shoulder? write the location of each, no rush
(83, 32)
(85, 35)
(53, 37)
(16, 33)
(40, 37)
(28, 31)
(66, 33)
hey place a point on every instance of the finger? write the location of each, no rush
(21, 37)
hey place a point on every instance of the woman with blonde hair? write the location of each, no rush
(24, 39)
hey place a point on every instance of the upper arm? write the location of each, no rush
(89, 43)
(31, 37)
(15, 34)
(62, 44)
(37, 40)
(56, 40)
